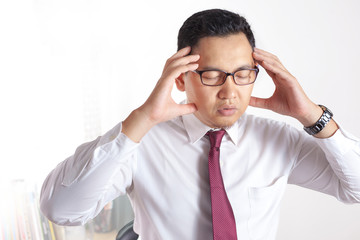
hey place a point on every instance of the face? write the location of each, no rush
(219, 106)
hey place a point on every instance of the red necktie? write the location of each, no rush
(224, 227)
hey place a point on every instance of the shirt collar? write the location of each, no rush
(196, 129)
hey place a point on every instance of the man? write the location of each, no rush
(163, 154)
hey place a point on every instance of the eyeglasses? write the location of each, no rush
(243, 76)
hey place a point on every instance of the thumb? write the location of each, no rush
(258, 102)
(187, 108)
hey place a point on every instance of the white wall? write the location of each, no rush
(70, 70)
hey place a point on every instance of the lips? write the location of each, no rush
(227, 110)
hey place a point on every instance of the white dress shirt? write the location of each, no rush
(166, 176)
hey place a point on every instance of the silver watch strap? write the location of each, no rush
(321, 123)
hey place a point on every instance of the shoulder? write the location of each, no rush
(268, 129)
(167, 130)
(252, 121)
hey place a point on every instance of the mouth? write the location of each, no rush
(227, 110)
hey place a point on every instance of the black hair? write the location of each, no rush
(213, 23)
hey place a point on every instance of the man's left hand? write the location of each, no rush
(288, 98)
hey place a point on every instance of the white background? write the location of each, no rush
(72, 69)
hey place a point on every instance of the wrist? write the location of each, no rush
(312, 116)
(324, 126)
(136, 125)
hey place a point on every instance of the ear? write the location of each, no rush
(180, 83)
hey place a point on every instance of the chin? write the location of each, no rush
(225, 123)
(216, 121)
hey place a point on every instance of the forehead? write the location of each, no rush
(227, 53)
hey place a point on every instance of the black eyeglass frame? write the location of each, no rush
(256, 69)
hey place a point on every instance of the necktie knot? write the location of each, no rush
(215, 137)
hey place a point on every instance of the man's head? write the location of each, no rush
(213, 23)
(224, 42)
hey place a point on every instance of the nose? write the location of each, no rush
(228, 89)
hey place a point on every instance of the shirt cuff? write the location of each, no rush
(338, 144)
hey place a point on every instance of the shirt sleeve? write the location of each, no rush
(330, 165)
(99, 171)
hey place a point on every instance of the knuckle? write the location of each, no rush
(275, 57)
(169, 61)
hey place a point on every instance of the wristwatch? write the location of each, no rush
(321, 123)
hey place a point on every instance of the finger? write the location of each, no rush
(180, 61)
(263, 52)
(266, 54)
(181, 53)
(273, 67)
(170, 75)
(181, 65)
(260, 59)
(184, 60)
(259, 102)
(260, 55)
(178, 70)
(276, 72)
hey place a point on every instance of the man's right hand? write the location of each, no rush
(160, 106)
